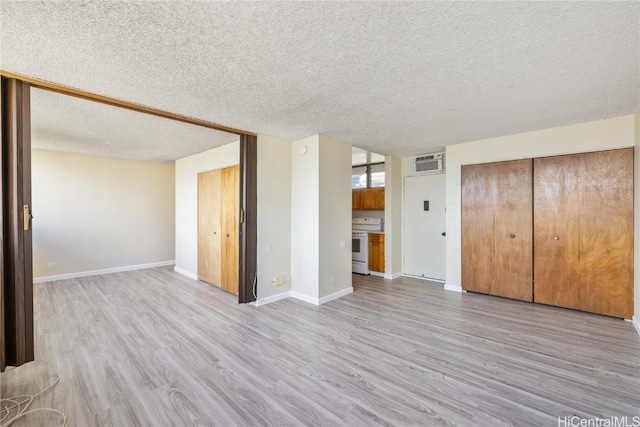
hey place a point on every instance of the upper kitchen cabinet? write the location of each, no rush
(356, 200)
(367, 199)
(373, 198)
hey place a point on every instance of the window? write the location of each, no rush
(367, 176)
(376, 175)
(359, 177)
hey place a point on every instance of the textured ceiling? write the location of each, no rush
(391, 77)
(73, 125)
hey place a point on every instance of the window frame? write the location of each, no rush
(367, 167)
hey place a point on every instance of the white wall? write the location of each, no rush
(636, 224)
(335, 217)
(186, 201)
(320, 219)
(592, 136)
(97, 213)
(305, 221)
(274, 216)
(393, 217)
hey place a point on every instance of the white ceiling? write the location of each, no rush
(398, 78)
(73, 125)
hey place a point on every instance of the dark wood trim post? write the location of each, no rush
(249, 218)
(17, 268)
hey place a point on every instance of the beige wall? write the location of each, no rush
(94, 213)
(393, 217)
(320, 219)
(335, 217)
(186, 201)
(274, 216)
(305, 222)
(592, 136)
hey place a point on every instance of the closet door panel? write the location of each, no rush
(478, 239)
(230, 225)
(556, 230)
(583, 208)
(606, 238)
(209, 227)
(496, 229)
(513, 230)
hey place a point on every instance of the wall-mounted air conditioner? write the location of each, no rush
(426, 164)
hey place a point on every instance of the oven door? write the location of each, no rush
(360, 252)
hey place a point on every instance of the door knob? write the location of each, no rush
(513, 236)
(444, 233)
(556, 238)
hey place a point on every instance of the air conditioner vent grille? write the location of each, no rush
(429, 163)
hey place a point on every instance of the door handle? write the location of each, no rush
(26, 217)
(513, 236)
(444, 233)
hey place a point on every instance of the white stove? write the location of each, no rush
(360, 228)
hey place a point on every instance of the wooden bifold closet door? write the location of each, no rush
(496, 229)
(583, 227)
(218, 232)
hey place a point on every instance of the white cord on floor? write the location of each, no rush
(55, 411)
(22, 411)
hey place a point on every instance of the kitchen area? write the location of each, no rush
(368, 193)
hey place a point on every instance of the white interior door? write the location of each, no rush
(424, 244)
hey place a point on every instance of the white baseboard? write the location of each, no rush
(272, 298)
(43, 279)
(336, 295)
(393, 276)
(323, 300)
(185, 273)
(376, 273)
(305, 298)
(636, 323)
(430, 279)
(455, 288)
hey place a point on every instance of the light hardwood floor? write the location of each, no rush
(154, 348)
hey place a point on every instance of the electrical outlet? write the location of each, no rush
(332, 279)
(52, 265)
(343, 244)
(278, 280)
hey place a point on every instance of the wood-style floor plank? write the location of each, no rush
(154, 348)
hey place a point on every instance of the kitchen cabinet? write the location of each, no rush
(368, 199)
(218, 232)
(554, 230)
(376, 252)
(356, 200)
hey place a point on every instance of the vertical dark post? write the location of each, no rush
(249, 218)
(17, 273)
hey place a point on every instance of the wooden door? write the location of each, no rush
(497, 229)
(210, 227)
(230, 228)
(583, 209)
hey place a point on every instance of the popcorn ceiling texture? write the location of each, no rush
(73, 125)
(398, 78)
